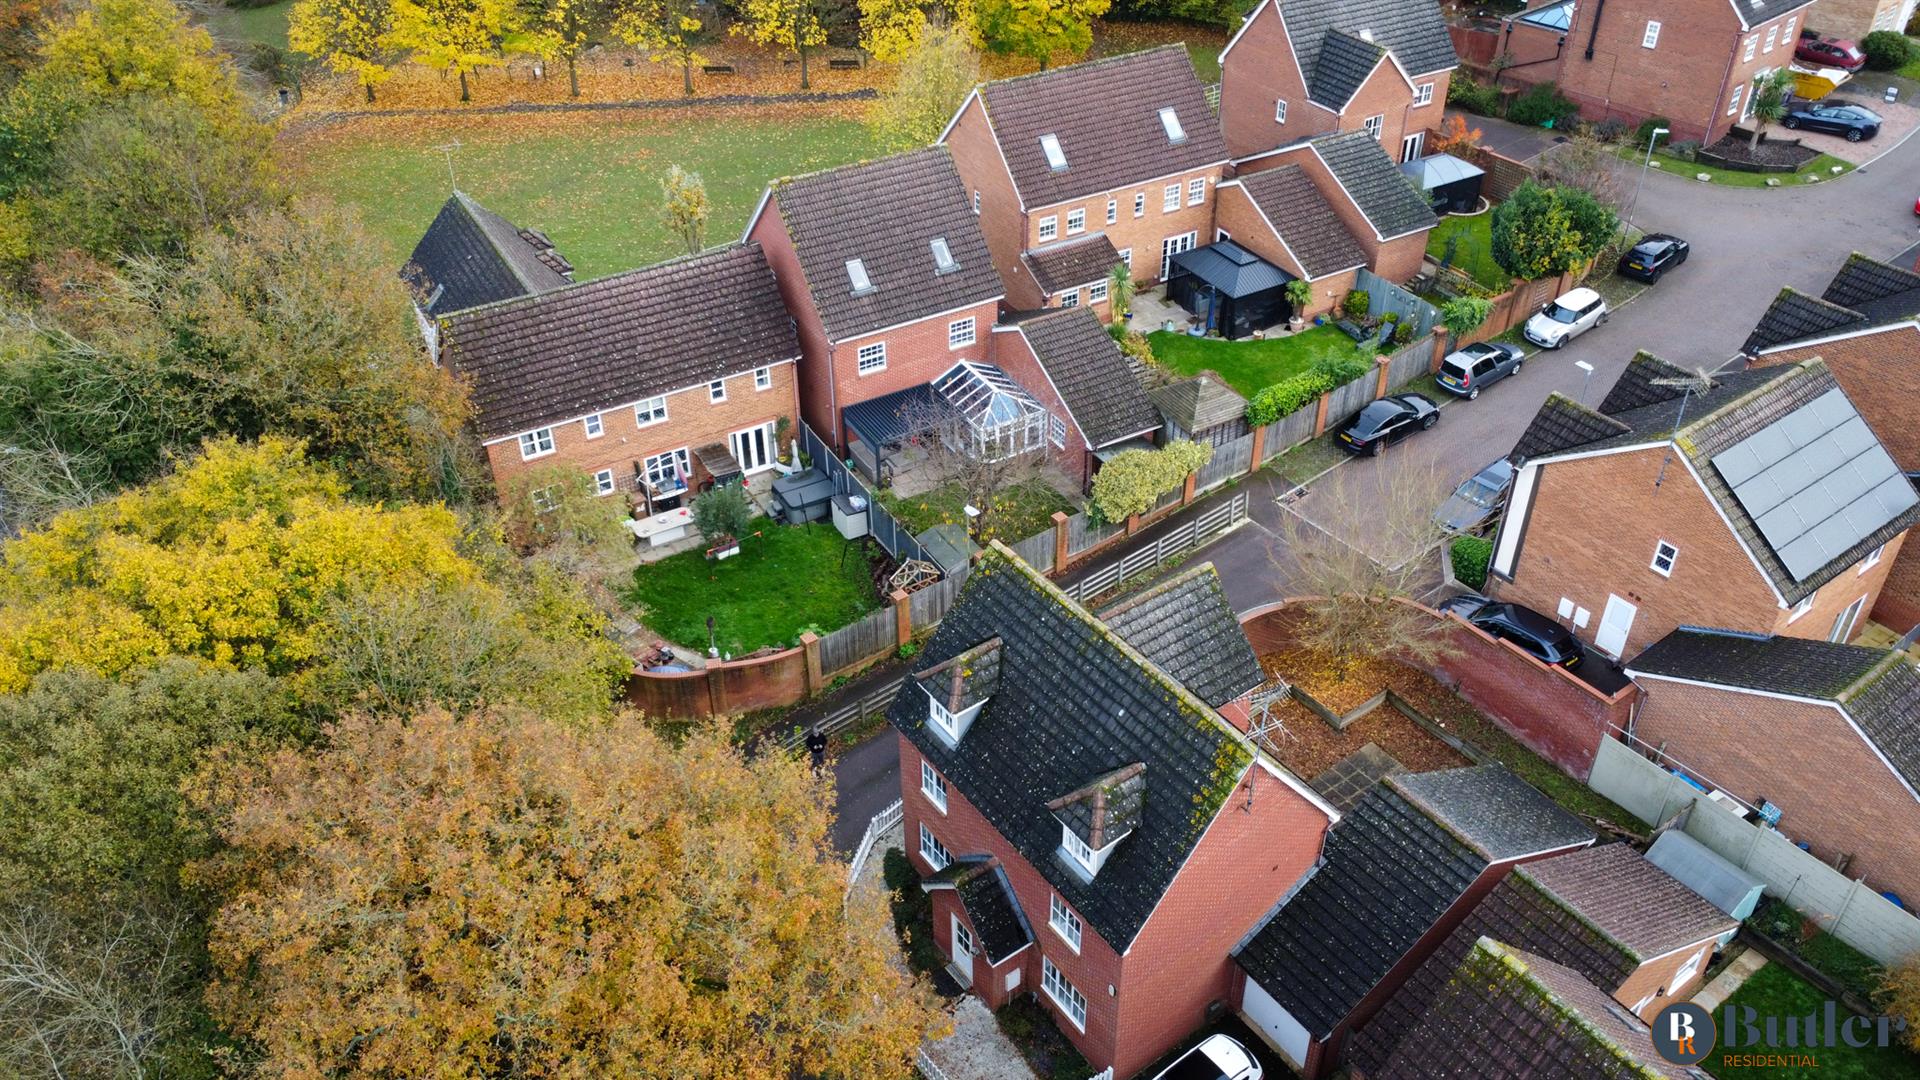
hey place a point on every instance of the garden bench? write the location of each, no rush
(716, 69)
(844, 64)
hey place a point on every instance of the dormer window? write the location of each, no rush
(1081, 852)
(1171, 121)
(1056, 158)
(957, 689)
(857, 276)
(1097, 817)
(943, 256)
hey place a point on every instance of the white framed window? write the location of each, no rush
(763, 378)
(1064, 922)
(933, 786)
(1070, 1001)
(960, 333)
(1374, 125)
(535, 444)
(651, 411)
(545, 500)
(1139, 203)
(1057, 432)
(1170, 121)
(872, 358)
(1786, 33)
(943, 718)
(1049, 227)
(717, 391)
(668, 471)
(594, 426)
(1221, 234)
(1651, 36)
(1078, 848)
(1196, 191)
(1733, 103)
(1076, 220)
(1753, 43)
(1643, 1003)
(932, 851)
(1170, 197)
(976, 202)
(1070, 299)
(1280, 110)
(1663, 556)
(1801, 608)
(1872, 560)
(1773, 38)
(1423, 94)
(1126, 257)
(603, 482)
(1843, 623)
(1687, 969)
(1113, 211)
(1096, 292)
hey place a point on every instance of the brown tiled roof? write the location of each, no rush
(1304, 219)
(1563, 424)
(1106, 115)
(1202, 402)
(544, 359)
(1633, 901)
(1091, 374)
(887, 214)
(1073, 263)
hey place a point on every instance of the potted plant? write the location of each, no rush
(1299, 295)
(781, 429)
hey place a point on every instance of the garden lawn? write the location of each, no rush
(1249, 366)
(1684, 169)
(590, 180)
(787, 579)
(266, 25)
(1018, 512)
(1473, 251)
(1775, 991)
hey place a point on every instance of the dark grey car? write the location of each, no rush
(1470, 370)
(1473, 502)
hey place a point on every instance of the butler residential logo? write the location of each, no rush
(1684, 1034)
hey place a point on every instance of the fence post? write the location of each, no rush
(1186, 492)
(1259, 450)
(1059, 541)
(1439, 349)
(1380, 366)
(810, 646)
(1133, 524)
(902, 617)
(1320, 416)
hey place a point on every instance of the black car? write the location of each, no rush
(1654, 255)
(1547, 641)
(1388, 420)
(1470, 370)
(1855, 122)
(1474, 501)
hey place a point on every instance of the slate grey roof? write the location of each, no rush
(1390, 870)
(1757, 12)
(1875, 289)
(1795, 316)
(1230, 268)
(1091, 374)
(1106, 115)
(990, 902)
(1072, 263)
(1647, 380)
(1563, 424)
(887, 214)
(1878, 688)
(606, 343)
(1340, 67)
(1186, 626)
(470, 256)
(1202, 402)
(1864, 293)
(1382, 192)
(964, 680)
(1614, 888)
(1075, 702)
(1413, 30)
(1304, 219)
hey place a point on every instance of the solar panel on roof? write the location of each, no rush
(1816, 482)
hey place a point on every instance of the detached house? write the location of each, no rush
(1756, 500)
(1399, 872)
(1090, 828)
(471, 256)
(1298, 68)
(1825, 733)
(654, 382)
(1866, 326)
(1379, 210)
(1075, 170)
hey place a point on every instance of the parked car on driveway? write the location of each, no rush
(1468, 371)
(1565, 319)
(1654, 255)
(1218, 1057)
(1830, 52)
(1388, 420)
(1547, 641)
(1854, 122)
(1475, 500)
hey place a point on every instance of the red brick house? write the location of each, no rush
(1091, 829)
(1381, 212)
(1761, 502)
(1824, 732)
(652, 382)
(471, 256)
(1072, 367)
(1298, 68)
(1400, 871)
(1866, 326)
(1282, 216)
(887, 277)
(1633, 59)
(1079, 168)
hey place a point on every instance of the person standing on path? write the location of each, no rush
(817, 747)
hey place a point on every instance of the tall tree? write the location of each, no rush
(564, 28)
(352, 37)
(668, 29)
(1038, 29)
(936, 74)
(799, 25)
(890, 30)
(684, 207)
(502, 895)
(461, 36)
(1541, 231)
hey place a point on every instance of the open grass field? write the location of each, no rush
(239, 26)
(590, 180)
(1249, 366)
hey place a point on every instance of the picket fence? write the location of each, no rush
(882, 821)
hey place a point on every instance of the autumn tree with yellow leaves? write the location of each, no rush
(668, 29)
(461, 36)
(352, 37)
(564, 29)
(796, 25)
(1038, 29)
(500, 895)
(892, 30)
(936, 74)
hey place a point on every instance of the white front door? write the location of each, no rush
(963, 950)
(1174, 245)
(1412, 146)
(1611, 638)
(1843, 622)
(752, 448)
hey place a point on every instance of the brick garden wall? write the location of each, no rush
(722, 688)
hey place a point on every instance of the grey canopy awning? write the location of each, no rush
(884, 421)
(1439, 170)
(1231, 269)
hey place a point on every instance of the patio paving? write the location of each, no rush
(1344, 783)
(1898, 119)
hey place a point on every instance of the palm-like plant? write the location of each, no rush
(1120, 289)
(1768, 104)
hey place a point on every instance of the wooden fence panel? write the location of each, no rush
(1082, 533)
(929, 605)
(858, 641)
(1344, 401)
(1410, 363)
(1037, 550)
(1229, 460)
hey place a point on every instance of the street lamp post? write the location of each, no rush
(1644, 166)
(1586, 381)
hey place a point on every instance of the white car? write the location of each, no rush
(1218, 1057)
(1566, 318)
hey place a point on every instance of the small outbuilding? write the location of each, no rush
(1233, 290)
(1452, 186)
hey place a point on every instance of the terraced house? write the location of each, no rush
(1090, 827)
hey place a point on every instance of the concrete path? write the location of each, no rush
(977, 1050)
(1715, 993)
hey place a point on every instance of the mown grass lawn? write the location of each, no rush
(1472, 250)
(1775, 991)
(1685, 169)
(1249, 366)
(590, 180)
(238, 26)
(787, 579)
(1018, 512)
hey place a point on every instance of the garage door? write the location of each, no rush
(1276, 1023)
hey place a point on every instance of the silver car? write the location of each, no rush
(1566, 318)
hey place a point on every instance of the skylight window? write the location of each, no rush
(943, 255)
(857, 274)
(1171, 121)
(1056, 158)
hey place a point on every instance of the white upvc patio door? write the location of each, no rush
(753, 448)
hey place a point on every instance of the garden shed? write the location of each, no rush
(1233, 290)
(1452, 186)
